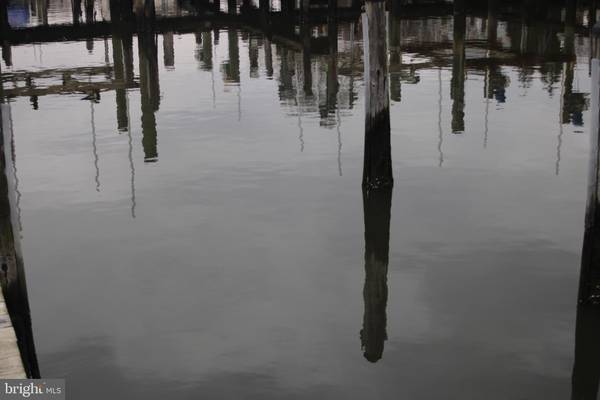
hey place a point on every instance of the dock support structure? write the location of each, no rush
(377, 169)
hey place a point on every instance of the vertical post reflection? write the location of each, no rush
(123, 66)
(457, 92)
(377, 205)
(168, 50)
(231, 68)
(150, 92)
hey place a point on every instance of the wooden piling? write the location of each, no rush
(232, 7)
(492, 22)
(377, 169)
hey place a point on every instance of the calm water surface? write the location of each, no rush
(214, 246)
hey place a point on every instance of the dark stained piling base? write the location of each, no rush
(377, 168)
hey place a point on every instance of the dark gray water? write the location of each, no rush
(217, 251)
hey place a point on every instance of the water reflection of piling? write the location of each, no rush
(231, 68)
(253, 56)
(395, 59)
(150, 92)
(305, 33)
(457, 92)
(168, 50)
(332, 84)
(377, 206)
(12, 274)
(122, 44)
(268, 58)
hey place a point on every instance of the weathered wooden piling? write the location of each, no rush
(377, 169)
(4, 25)
(492, 22)
(90, 15)
(145, 14)
(4, 32)
(13, 300)
(377, 206)
(149, 91)
(89, 19)
(305, 8)
(76, 11)
(288, 6)
(232, 7)
(457, 90)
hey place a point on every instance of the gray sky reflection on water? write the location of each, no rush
(242, 273)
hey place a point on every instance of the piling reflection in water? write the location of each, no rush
(149, 91)
(377, 206)
(457, 92)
